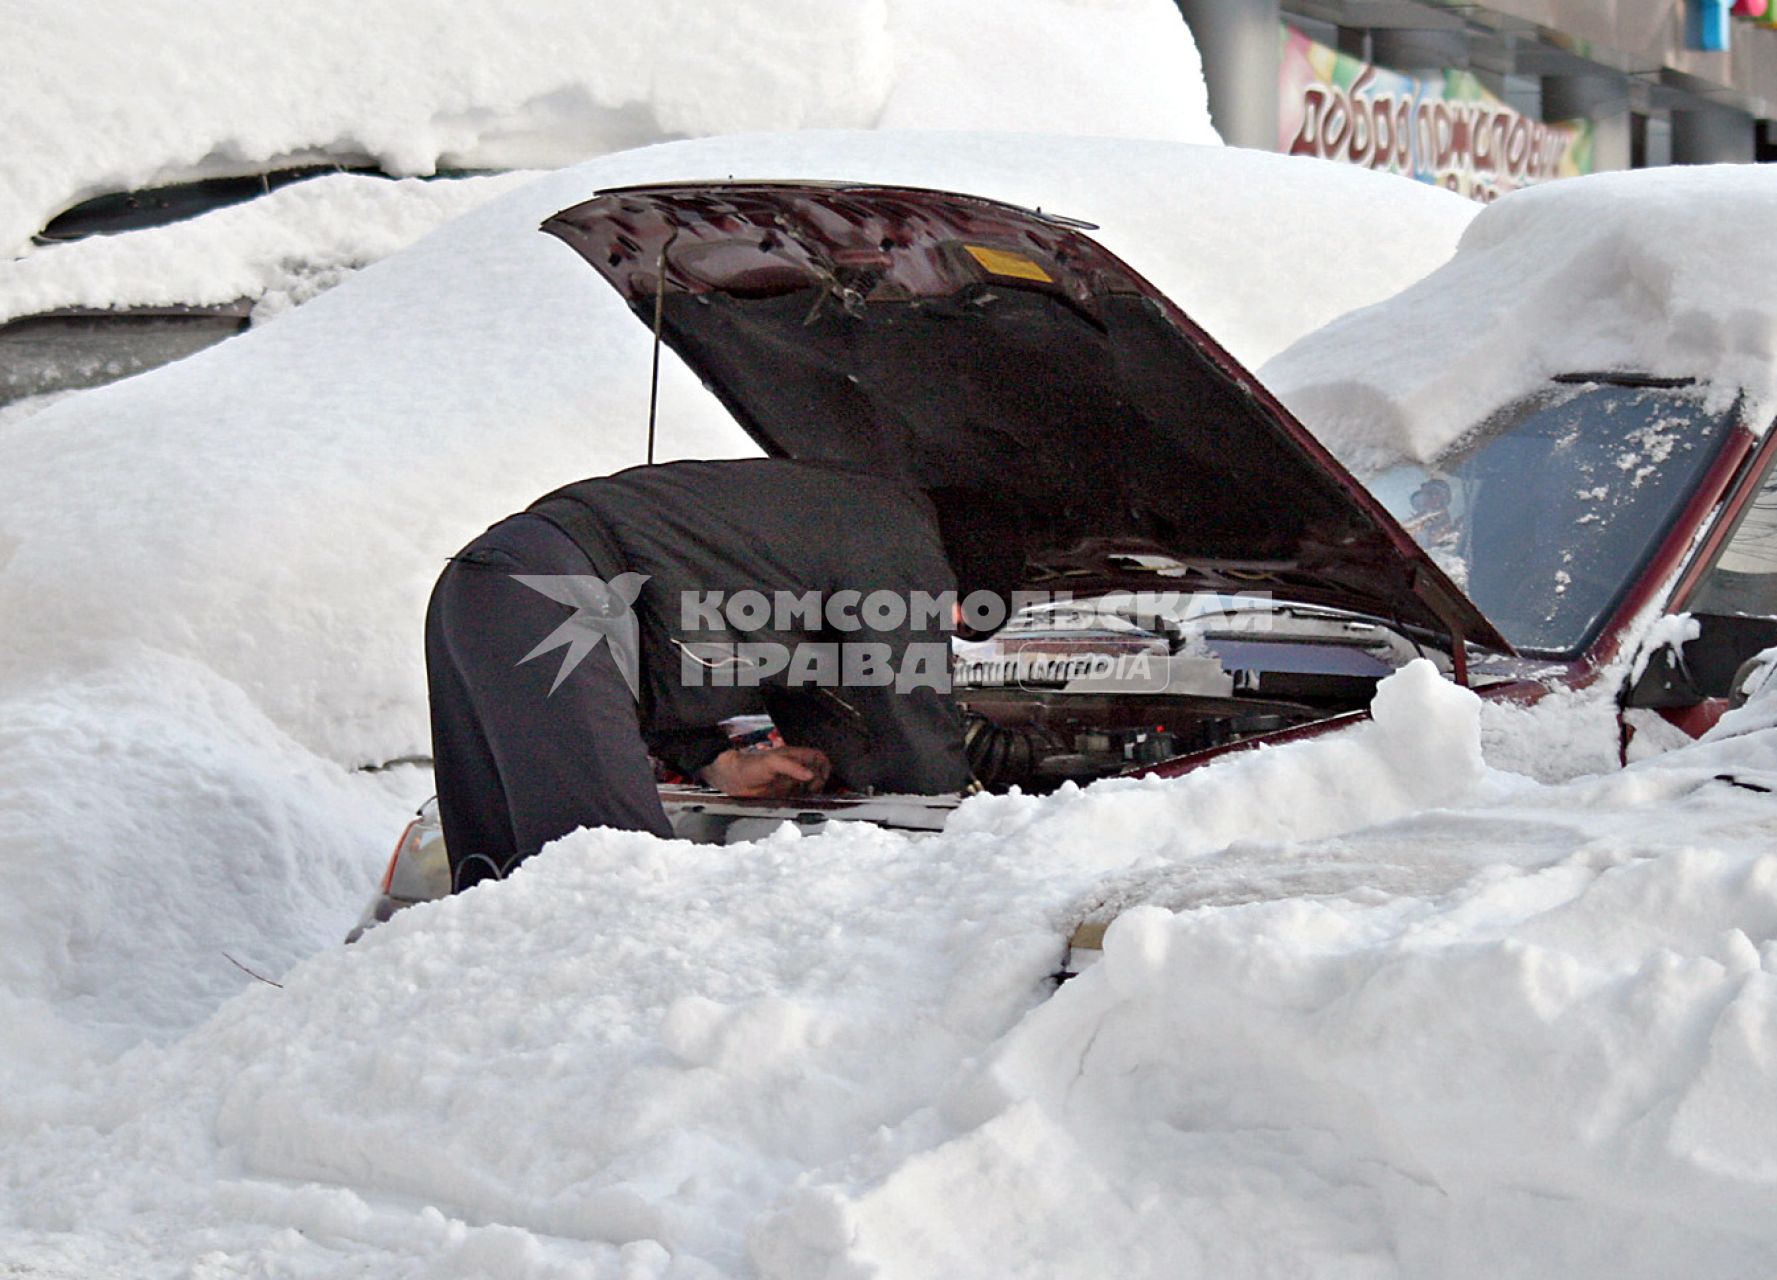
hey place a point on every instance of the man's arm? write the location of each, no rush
(781, 771)
(688, 752)
(704, 754)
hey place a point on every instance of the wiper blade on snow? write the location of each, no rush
(1624, 378)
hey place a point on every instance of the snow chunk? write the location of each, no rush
(1422, 748)
(152, 825)
(1599, 273)
(1670, 632)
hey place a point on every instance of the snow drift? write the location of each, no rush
(1404, 1015)
(1529, 1030)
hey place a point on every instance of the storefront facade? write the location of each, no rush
(1486, 98)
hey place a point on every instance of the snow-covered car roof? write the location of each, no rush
(1621, 272)
(141, 99)
(123, 124)
(103, 305)
(261, 250)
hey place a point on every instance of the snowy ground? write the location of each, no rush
(1406, 1020)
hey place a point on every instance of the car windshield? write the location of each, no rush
(1548, 514)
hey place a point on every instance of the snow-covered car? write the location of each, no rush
(1205, 576)
(129, 281)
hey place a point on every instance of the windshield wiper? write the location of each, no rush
(1622, 378)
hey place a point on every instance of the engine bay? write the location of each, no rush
(1082, 690)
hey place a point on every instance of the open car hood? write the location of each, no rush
(973, 347)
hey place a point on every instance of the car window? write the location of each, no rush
(49, 353)
(117, 212)
(1744, 579)
(1549, 514)
(121, 211)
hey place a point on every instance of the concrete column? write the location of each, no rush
(1418, 50)
(1239, 41)
(1604, 99)
(1612, 143)
(1712, 135)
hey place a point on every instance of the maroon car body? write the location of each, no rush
(972, 347)
(965, 344)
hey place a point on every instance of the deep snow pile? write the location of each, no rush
(1403, 1014)
(1371, 1006)
(160, 91)
(1608, 272)
(1532, 1033)
(235, 596)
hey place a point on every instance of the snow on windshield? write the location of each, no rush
(115, 97)
(1618, 272)
(1547, 515)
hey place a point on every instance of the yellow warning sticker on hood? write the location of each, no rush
(1004, 262)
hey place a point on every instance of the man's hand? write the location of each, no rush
(781, 771)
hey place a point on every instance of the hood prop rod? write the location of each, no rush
(659, 323)
(1444, 609)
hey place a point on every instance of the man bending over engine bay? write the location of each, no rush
(701, 591)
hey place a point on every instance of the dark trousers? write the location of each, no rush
(517, 765)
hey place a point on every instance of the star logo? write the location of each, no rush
(602, 611)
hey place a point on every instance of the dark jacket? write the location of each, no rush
(781, 529)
